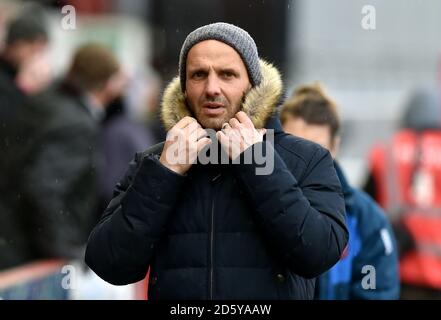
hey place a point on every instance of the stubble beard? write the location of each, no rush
(216, 123)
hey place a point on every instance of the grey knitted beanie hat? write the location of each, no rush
(231, 35)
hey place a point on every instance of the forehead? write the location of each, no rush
(214, 52)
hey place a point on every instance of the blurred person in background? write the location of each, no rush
(405, 178)
(153, 104)
(312, 115)
(59, 170)
(143, 101)
(121, 137)
(221, 230)
(26, 40)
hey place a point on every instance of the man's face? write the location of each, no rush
(22, 52)
(216, 82)
(318, 133)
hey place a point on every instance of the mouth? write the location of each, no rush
(213, 105)
(213, 108)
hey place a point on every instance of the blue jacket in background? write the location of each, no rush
(371, 246)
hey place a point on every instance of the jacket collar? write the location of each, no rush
(260, 102)
(80, 97)
(274, 123)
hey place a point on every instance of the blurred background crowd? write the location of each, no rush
(80, 89)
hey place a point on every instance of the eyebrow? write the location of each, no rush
(232, 70)
(196, 69)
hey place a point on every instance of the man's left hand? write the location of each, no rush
(239, 134)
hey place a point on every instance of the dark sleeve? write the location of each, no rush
(303, 221)
(123, 243)
(59, 187)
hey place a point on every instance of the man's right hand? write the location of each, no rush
(184, 141)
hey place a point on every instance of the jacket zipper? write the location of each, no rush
(212, 241)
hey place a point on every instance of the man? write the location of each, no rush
(405, 179)
(369, 267)
(121, 138)
(214, 231)
(26, 39)
(59, 168)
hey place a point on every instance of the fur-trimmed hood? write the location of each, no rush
(259, 104)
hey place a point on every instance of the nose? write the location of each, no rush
(212, 87)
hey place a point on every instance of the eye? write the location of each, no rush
(228, 74)
(198, 74)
